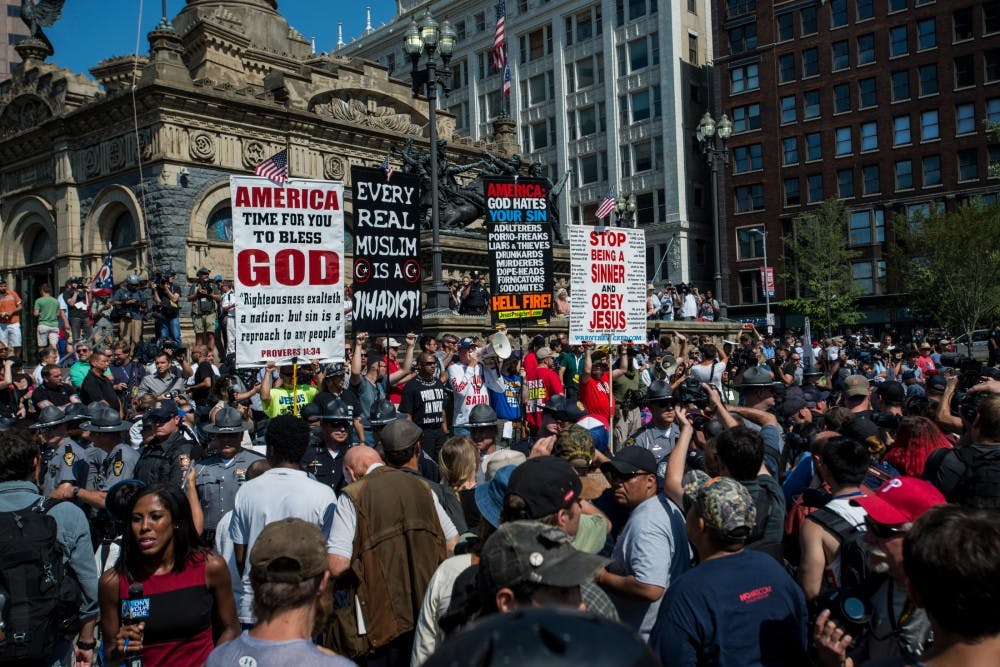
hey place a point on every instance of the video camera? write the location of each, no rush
(690, 392)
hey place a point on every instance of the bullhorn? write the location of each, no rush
(668, 364)
(499, 346)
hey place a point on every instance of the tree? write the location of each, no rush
(948, 262)
(819, 261)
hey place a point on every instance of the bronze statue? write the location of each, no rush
(41, 14)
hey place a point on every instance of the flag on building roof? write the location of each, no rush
(607, 204)
(500, 39)
(104, 283)
(274, 167)
(387, 168)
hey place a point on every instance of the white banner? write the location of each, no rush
(608, 280)
(288, 252)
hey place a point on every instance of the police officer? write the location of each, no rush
(325, 460)
(221, 475)
(660, 434)
(64, 461)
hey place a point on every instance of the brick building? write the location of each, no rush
(880, 103)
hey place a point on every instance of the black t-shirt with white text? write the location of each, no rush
(424, 401)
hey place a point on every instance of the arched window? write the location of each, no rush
(220, 225)
(39, 247)
(123, 232)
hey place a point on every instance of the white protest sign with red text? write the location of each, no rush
(288, 253)
(607, 284)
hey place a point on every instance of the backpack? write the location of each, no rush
(978, 483)
(756, 541)
(42, 604)
(854, 574)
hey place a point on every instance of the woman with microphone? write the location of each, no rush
(168, 596)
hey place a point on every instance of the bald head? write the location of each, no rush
(359, 459)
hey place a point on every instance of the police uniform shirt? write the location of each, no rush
(66, 463)
(657, 440)
(218, 481)
(325, 466)
(116, 466)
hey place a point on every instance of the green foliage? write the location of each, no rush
(949, 263)
(819, 261)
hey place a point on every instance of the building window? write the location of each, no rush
(861, 227)
(843, 141)
(926, 34)
(750, 198)
(810, 62)
(750, 291)
(786, 68)
(991, 17)
(968, 165)
(589, 172)
(965, 119)
(460, 31)
(869, 136)
(748, 158)
(743, 38)
(640, 106)
(744, 78)
(992, 65)
(809, 24)
(786, 26)
(931, 165)
(865, 9)
(965, 71)
(900, 85)
(480, 19)
(638, 54)
(123, 231)
(897, 41)
(749, 242)
(867, 96)
(961, 24)
(693, 49)
(841, 55)
(792, 194)
(845, 183)
(838, 13)
(643, 155)
(993, 110)
(788, 109)
(870, 179)
(540, 134)
(866, 49)
(929, 129)
(746, 118)
(220, 225)
(928, 80)
(904, 174)
(897, 6)
(814, 182)
(864, 280)
(810, 104)
(538, 89)
(814, 146)
(901, 131)
(842, 97)
(790, 150)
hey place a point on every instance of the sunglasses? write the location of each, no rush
(616, 477)
(154, 421)
(429, 363)
(882, 531)
(334, 424)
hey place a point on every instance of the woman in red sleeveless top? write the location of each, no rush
(186, 590)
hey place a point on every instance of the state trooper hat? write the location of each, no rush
(227, 420)
(103, 419)
(482, 415)
(383, 413)
(659, 391)
(758, 376)
(50, 416)
(336, 409)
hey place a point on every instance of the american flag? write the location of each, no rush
(506, 79)
(274, 167)
(607, 205)
(500, 39)
(387, 168)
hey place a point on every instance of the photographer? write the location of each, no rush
(167, 308)
(475, 297)
(78, 309)
(204, 297)
(129, 305)
(970, 475)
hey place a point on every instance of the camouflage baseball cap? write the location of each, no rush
(573, 444)
(726, 507)
(531, 551)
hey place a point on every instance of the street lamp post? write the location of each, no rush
(713, 136)
(436, 41)
(625, 211)
(767, 290)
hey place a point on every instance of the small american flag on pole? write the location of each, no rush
(607, 205)
(506, 79)
(274, 167)
(387, 168)
(500, 38)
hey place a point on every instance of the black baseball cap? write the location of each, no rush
(547, 484)
(631, 461)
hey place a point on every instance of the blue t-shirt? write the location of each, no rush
(505, 396)
(741, 609)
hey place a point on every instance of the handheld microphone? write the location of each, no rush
(135, 610)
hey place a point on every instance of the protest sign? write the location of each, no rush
(386, 289)
(608, 275)
(519, 238)
(288, 251)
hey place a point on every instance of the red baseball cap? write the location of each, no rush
(900, 500)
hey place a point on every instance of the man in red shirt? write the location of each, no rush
(543, 384)
(595, 383)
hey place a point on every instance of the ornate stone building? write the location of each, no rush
(140, 158)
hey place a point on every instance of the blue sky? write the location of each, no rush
(92, 30)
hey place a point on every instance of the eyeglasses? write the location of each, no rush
(883, 531)
(82, 349)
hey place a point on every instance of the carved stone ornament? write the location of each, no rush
(91, 162)
(253, 154)
(202, 147)
(375, 115)
(146, 144)
(116, 153)
(333, 168)
(23, 114)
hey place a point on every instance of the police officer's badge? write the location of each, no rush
(118, 467)
(241, 475)
(69, 456)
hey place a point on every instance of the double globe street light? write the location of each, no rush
(712, 136)
(438, 43)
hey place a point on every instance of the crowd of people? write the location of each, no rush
(758, 501)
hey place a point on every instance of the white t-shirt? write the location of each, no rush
(853, 515)
(436, 601)
(469, 387)
(224, 545)
(711, 374)
(690, 307)
(277, 494)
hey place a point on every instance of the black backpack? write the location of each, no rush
(854, 574)
(756, 541)
(42, 602)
